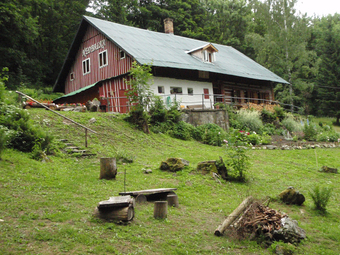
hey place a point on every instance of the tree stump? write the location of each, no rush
(141, 199)
(108, 168)
(173, 200)
(160, 209)
(116, 214)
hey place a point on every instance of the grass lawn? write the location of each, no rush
(46, 208)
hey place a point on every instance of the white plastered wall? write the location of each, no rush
(184, 99)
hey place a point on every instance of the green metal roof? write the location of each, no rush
(77, 91)
(169, 50)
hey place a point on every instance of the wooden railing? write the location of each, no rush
(44, 106)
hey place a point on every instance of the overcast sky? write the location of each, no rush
(318, 7)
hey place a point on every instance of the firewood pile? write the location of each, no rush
(259, 107)
(259, 220)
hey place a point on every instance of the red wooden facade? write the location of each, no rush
(111, 74)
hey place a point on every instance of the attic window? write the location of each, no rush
(206, 53)
(86, 66)
(103, 59)
(209, 56)
(122, 54)
(72, 76)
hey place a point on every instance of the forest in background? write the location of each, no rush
(35, 36)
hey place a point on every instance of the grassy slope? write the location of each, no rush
(47, 207)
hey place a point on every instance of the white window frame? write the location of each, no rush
(175, 88)
(120, 54)
(162, 89)
(86, 64)
(192, 93)
(71, 76)
(101, 56)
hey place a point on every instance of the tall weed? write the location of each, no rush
(291, 124)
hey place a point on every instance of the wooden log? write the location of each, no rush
(114, 202)
(172, 200)
(108, 168)
(116, 214)
(160, 209)
(233, 216)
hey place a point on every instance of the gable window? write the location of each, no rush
(160, 89)
(190, 91)
(208, 56)
(122, 54)
(86, 66)
(175, 90)
(103, 59)
(72, 76)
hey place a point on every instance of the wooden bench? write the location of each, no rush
(150, 194)
(195, 106)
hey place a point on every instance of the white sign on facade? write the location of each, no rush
(99, 45)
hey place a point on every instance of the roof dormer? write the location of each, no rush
(206, 53)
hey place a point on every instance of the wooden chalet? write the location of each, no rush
(190, 71)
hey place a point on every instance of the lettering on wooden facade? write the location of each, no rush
(99, 45)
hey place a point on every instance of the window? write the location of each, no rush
(71, 76)
(175, 90)
(206, 93)
(103, 59)
(122, 54)
(190, 91)
(208, 56)
(86, 66)
(161, 89)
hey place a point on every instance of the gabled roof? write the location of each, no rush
(204, 47)
(168, 50)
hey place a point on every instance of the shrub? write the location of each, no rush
(158, 112)
(181, 130)
(238, 161)
(211, 134)
(269, 129)
(21, 133)
(3, 140)
(254, 139)
(310, 132)
(292, 125)
(266, 139)
(250, 120)
(320, 197)
(330, 136)
(279, 113)
(267, 116)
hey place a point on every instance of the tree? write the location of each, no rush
(283, 48)
(139, 95)
(227, 22)
(327, 45)
(35, 37)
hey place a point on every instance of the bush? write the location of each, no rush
(181, 130)
(279, 113)
(158, 112)
(292, 125)
(254, 139)
(320, 197)
(310, 132)
(22, 135)
(3, 140)
(330, 136)
(249, 120)
(211, 134)
(238, 162)
(267, 116)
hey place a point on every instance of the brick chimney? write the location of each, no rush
(168, 26)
